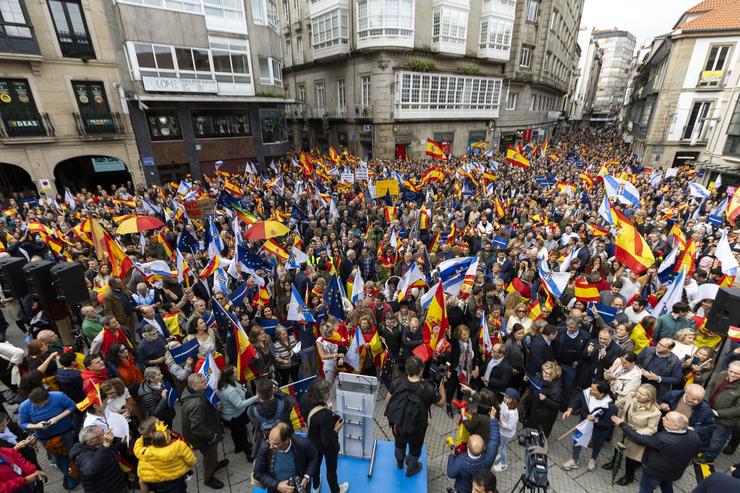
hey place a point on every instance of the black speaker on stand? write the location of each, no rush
(38, 277)
(69, 282)
(725, 311)
(12, 277)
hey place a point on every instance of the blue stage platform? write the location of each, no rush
(386, 477)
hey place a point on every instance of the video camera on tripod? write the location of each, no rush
(535, 461)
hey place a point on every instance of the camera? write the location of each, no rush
(295, 482)
(535, 458)
(438, 371)
(530, 437)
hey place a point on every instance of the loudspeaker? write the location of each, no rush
(725, 311)
(12, 278)
(38, 277)
(69, 281)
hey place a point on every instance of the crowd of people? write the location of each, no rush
(340, 278)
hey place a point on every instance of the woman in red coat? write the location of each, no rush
(16, 473)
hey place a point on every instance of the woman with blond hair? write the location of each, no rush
(684, 347)
(165, 461)
(641, 413)
(520, 317)
(543, 406)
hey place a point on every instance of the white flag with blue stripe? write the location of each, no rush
(672, 296)
(297, 311)
(698, 190)
(724, 254)
(212, 374)
(555, 282)
(605, 211)
(452, 274)
(666, 269)
(358, 288)
(716, 216)
(621, 191)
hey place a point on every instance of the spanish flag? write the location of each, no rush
(233, 188)
(588, 180)
(733, 208)
(432, 174)
(333, 154)
(172, 321)
(462, 434)
(678, 236)
(434, 149)
(499, 205)
(10, 211)
(733, 334)
(274, 248)
(306, 164)
(585, 291)
(594, 230)
(434, 244)
(516, 158)
(210, 268)
(535, 310)
(262, 297)
(436, 318)
(631, 249)
(128, 203)
(687, 259)
(167, 248)
(425, 217)
(391, 212)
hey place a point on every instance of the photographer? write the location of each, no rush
(285, 463)
(409, 400)
(323, 431)
(463, 467)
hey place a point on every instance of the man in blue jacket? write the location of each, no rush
(691, 403)
(463, 467)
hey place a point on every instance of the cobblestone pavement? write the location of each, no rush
(575, 481)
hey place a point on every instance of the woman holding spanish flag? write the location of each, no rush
(371, 346)
(328, 348)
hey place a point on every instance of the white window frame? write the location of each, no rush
(175, 72)
(300, 92)
(533, 10)
(341, 97)
(366, 90)
(320, 94)
(449, 27)
(275, 69)
(265, 13)
(525, 57)
(511, 100)
(189, 6)
(330, 29)
(385, 18)
(241, 83)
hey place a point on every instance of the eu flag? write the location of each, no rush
(187, 243)
(333, 299)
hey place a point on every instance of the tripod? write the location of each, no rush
(527, 487)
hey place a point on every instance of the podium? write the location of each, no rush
(354, 401)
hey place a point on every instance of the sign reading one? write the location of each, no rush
(173, 84)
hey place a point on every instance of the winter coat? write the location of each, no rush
(702, 418)
(154, 405)
(201, 425)
(10, 482)
(644, 422)
(157, 464)
(667, 455)
(98, 468)
(727, 402)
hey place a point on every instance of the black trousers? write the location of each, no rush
(239, 434)
(332, 457)
(414, 442)
(286, 374)
(630, 468)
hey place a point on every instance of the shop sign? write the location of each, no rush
(173, 84)
(106, 164)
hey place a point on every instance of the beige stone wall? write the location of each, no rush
(50, 79)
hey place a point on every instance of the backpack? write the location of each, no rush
(262, 424)
(406, 411)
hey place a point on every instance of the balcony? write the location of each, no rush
(31, 128)
(91, 127)
(364, 111)
(500, 8)
(295, 111)
(17, 39)
(76, 45)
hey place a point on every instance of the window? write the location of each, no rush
(696, 120)
(732, 145)
(438, 92)
(554, 20)
(230, 9)
(511, 101)
(330, 29)
(341, 99)
(230, 60)
(13, 20)
(495, 33)
(95, 113)
(366, 94)
(273, 126)
(69, 22)
(320, 95)
(385, 18)
(533, 103)
(449, 26)
(264, 13)
(301, 92)
(170, 61)
(163, 125)
(18, 109)
(713, 74)
(533, 10)
(299, 49)
(525, 58)
(179, 5)
(208, 124)
(271, 71)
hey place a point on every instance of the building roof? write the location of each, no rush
(711, 15)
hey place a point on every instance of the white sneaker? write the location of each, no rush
(591, 465)
(315, 490)
(570, 464)
(343, 488)
(500, 467)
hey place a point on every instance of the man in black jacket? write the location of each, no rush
(201, 427)
(667, 454)
(602, 352)
(284, 457)
(496, 373)
(97, 462)
(541, 349)
(570, 350)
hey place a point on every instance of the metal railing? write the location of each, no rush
(38, 125)
(105, 125)
(75, 45)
